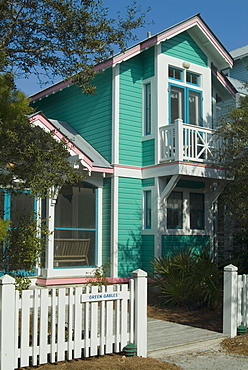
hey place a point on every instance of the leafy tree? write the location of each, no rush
(63, 38)
(29, 156)
(234, 156)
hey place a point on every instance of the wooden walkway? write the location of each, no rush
(166, 337)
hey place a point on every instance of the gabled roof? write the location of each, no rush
(195, 25)
(240, 86)
(240, 52)
(79, 148)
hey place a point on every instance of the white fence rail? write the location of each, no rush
(49, 325)
(181, 141)
(235, 301)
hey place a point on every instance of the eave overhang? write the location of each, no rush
(194, 24)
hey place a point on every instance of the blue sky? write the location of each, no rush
(228, 19)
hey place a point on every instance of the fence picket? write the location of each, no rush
(43, 327)
(53, 313)
(109, 322)
(86, 327)
(117, 322)
(78, 324)
(36, 293)
(102, 323)
(60, 323)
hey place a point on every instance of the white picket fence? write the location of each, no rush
(235, 301)
(49, 325)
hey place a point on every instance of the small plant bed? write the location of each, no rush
(204, 318)
(238, 345)
(111, 362)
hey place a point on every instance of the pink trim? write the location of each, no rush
(103, 169)
(137, 48)
(165, 164)
(80, 280)
(60, 136)
(225, 83)
(52, 89)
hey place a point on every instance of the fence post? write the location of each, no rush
(140, 299)
(230, 301)
(7, 323)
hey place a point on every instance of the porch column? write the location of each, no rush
(50, 217)
(179, 140)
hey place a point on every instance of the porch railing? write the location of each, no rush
(183, 142)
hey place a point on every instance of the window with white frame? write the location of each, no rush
(147, 209)
(185, 102)
(147, 109)
(196, 201)
(175, 210)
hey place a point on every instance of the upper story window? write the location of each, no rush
(185, 104)
(147, 109)
(175, 73)
(192, 78)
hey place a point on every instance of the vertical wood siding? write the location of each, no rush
(148, 155)
(184, 47)
(106, 220)
(130, 221)
(89, 115)
(131, 112)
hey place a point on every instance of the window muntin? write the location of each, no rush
(147, 109)
(175, 210)
(196, 211)
(192, 78)
(175, 73)
(147, 210)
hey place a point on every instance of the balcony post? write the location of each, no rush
(178, 140)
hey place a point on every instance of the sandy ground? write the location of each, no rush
(213, 359)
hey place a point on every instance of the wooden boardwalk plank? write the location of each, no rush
(165, 334)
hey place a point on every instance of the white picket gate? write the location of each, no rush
(235, 301)
(49, 325)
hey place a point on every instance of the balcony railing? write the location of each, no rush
(183, 142)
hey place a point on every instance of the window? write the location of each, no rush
(147, 109)
(14, 205)
(192, 78)
(185, 104)
(147, 210)
(175, 73)
(75, 218)
(196, 211)
(175, 210)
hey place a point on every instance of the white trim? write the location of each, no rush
(115, 112)
(99, 227)
(114, 226)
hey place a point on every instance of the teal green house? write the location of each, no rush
(146, 143)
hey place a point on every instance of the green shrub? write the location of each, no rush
(188, 278)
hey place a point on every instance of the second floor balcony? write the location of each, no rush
(184, 142)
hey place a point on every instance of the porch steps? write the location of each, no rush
(166, 338)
